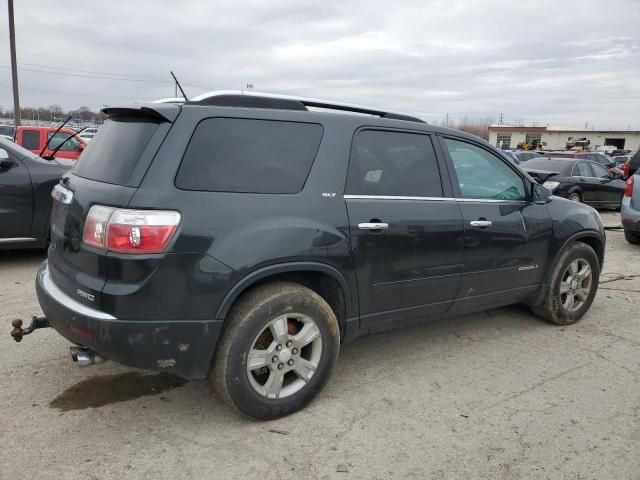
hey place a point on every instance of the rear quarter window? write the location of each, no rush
(249, 156)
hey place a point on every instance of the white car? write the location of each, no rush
(86, 136)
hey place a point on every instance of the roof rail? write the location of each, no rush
(253, 99)
(170, 100)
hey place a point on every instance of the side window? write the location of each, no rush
(600, 171)
(71, 145)
(31, 139)
(582, 170)
(394, 164)
(602, 159)
(482, 175)
(249, 156)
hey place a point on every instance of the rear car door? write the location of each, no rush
(608, 188)
(506, 236)
(16, 198)
(406, 234)
(588, 183)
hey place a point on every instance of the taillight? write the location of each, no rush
(628, 190)
(130, 231)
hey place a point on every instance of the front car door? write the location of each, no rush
(406, 230)
(506, 236)
(16, 198)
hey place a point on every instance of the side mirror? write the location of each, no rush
(3, 154)
(540, 194)
(81, 147)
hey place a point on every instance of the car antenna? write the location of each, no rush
(54, 133)
(179, 86)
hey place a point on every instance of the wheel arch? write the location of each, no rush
(590, 238)
(325, 280)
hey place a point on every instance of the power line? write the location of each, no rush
(63, 71)
(58, 67)
(73, 93)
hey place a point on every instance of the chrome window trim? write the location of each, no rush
(65, 300)
(427, 199)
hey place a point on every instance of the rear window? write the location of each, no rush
(249, 156)
(115, 150)
(31, 139)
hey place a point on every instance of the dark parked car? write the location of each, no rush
(26, 181)
(7, 131)
(243, 237)
(605, 160)
(524, 155)
(579, 181)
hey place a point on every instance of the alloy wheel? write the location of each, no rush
(575, 285)
(284, 355)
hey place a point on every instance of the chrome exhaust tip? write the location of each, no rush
(84, 357)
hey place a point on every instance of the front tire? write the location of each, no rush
(277, 351)
(573, 286)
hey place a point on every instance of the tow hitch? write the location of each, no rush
(36, 322)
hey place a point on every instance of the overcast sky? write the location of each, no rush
(560, 62)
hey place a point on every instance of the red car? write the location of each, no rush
(35, 138)
(601, 158)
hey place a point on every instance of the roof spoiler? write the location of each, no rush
(163, 112)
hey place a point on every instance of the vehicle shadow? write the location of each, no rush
(363, 358)
(21, 257)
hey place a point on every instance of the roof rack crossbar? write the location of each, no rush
(284, 100)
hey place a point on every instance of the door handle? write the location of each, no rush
(373, 226)
(481, 223)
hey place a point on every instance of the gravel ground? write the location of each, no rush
(495, 395)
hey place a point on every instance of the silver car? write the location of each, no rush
(630, 209)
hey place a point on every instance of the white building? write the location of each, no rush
(556, 138)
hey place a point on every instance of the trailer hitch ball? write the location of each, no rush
(36, 322)
(16, 333)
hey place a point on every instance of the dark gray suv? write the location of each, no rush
(244, 237)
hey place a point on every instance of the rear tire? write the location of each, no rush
(632, 237)
(278, 350)
(573, 286)
(575, 197)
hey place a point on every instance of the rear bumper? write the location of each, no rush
(181, 347)
(629, 215)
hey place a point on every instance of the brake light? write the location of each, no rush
(628, 191)
(130, 231)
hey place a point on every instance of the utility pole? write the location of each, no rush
(14, 67)
(501, 118)
(446, 120)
